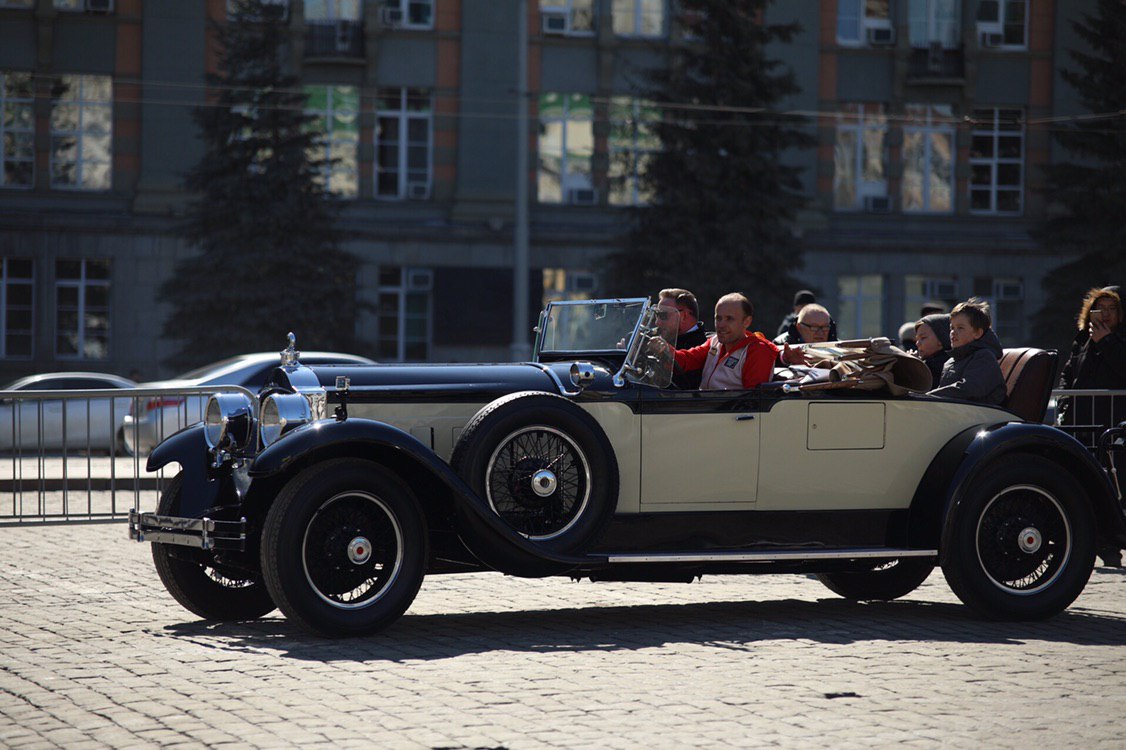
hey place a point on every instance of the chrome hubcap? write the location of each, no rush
(544, 482)
(1030, 540)
(359, 550)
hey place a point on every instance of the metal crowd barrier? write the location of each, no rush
(1090, 411)
(65, 455)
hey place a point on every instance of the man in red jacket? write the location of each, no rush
(735, 358)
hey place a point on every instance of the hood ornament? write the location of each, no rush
(290, 354)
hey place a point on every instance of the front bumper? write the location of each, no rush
(199, 533)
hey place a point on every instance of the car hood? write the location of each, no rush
(435, 381)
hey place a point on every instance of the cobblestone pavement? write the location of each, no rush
(95, 653)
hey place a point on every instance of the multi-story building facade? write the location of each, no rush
(925, 183)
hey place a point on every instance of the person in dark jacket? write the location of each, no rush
(1097, 360)
(932, 344)
(972, 373)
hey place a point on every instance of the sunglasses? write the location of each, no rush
(815, 329)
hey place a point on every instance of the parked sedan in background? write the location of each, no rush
(153, 419)
(37, 423)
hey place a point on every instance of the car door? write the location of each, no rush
(39, 422)
(699, 449)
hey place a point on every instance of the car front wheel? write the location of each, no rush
(1020, 543)
(344, 548)
(199, 584)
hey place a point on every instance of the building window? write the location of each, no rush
(404, 310)
(997, 162)
(409, 14)
(570, 17)
(17, 308)
(1003, 23)
(27, 4)
(566, 146)
(935, 22)
(928, 159)
(861, 305)
(17, 130)
(567, 284)
(864, 21)
(333, 10)
(633, 141)
(1006, 303)
(82, 309)
(402, 144)
(82, 133)
(639, 17)
(860, 156)
(336, 113)
(240, 10)
(919, 290)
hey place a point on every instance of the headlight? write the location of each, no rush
(229, 421)
(282, 412)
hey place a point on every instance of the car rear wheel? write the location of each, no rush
(192, 577)
(883, 583)
(344, 548)
(543, 465)
(1020, 543)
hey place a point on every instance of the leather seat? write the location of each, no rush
(1029, 374)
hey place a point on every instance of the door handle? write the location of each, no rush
(744, 417)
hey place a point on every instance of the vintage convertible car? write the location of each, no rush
(336, 489)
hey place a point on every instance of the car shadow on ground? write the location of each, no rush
(737, 625)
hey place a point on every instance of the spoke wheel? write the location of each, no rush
(1019, 544)
(1023, 539)
(198, 583)
(544, 466)
(538, 480)
(344, 548)
(353, 550)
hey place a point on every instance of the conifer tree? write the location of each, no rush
(268, 257)
(1089, 192)
(722, 200)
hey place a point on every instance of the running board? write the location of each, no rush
(790, 555)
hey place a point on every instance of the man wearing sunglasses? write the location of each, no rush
(689, 333)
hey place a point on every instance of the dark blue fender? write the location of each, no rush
(188, 447)
(961, 460)
(482, 531)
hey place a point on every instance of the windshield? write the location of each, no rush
(589, 326)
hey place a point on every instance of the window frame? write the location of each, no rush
(6, 282)
(850, 329)
(403, 115)
(995, 133)
(83, 105)
(928, 127)
(333, 14)
(863, 23)
(565, 187)
(406, 287)
(567, 7)
(329, 142)
(933, 26)
(83, 283)
(5, 102)
(637, 17)
(857, 121)
(639, 129)
(999, 25)
(404, 6)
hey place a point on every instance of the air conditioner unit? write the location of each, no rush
(343, 36)
(877, 204)
(418, 191)
(991, 39)
(391, 16)
(555, 23)
(881, 36)
(582, 196)
(99, 6)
